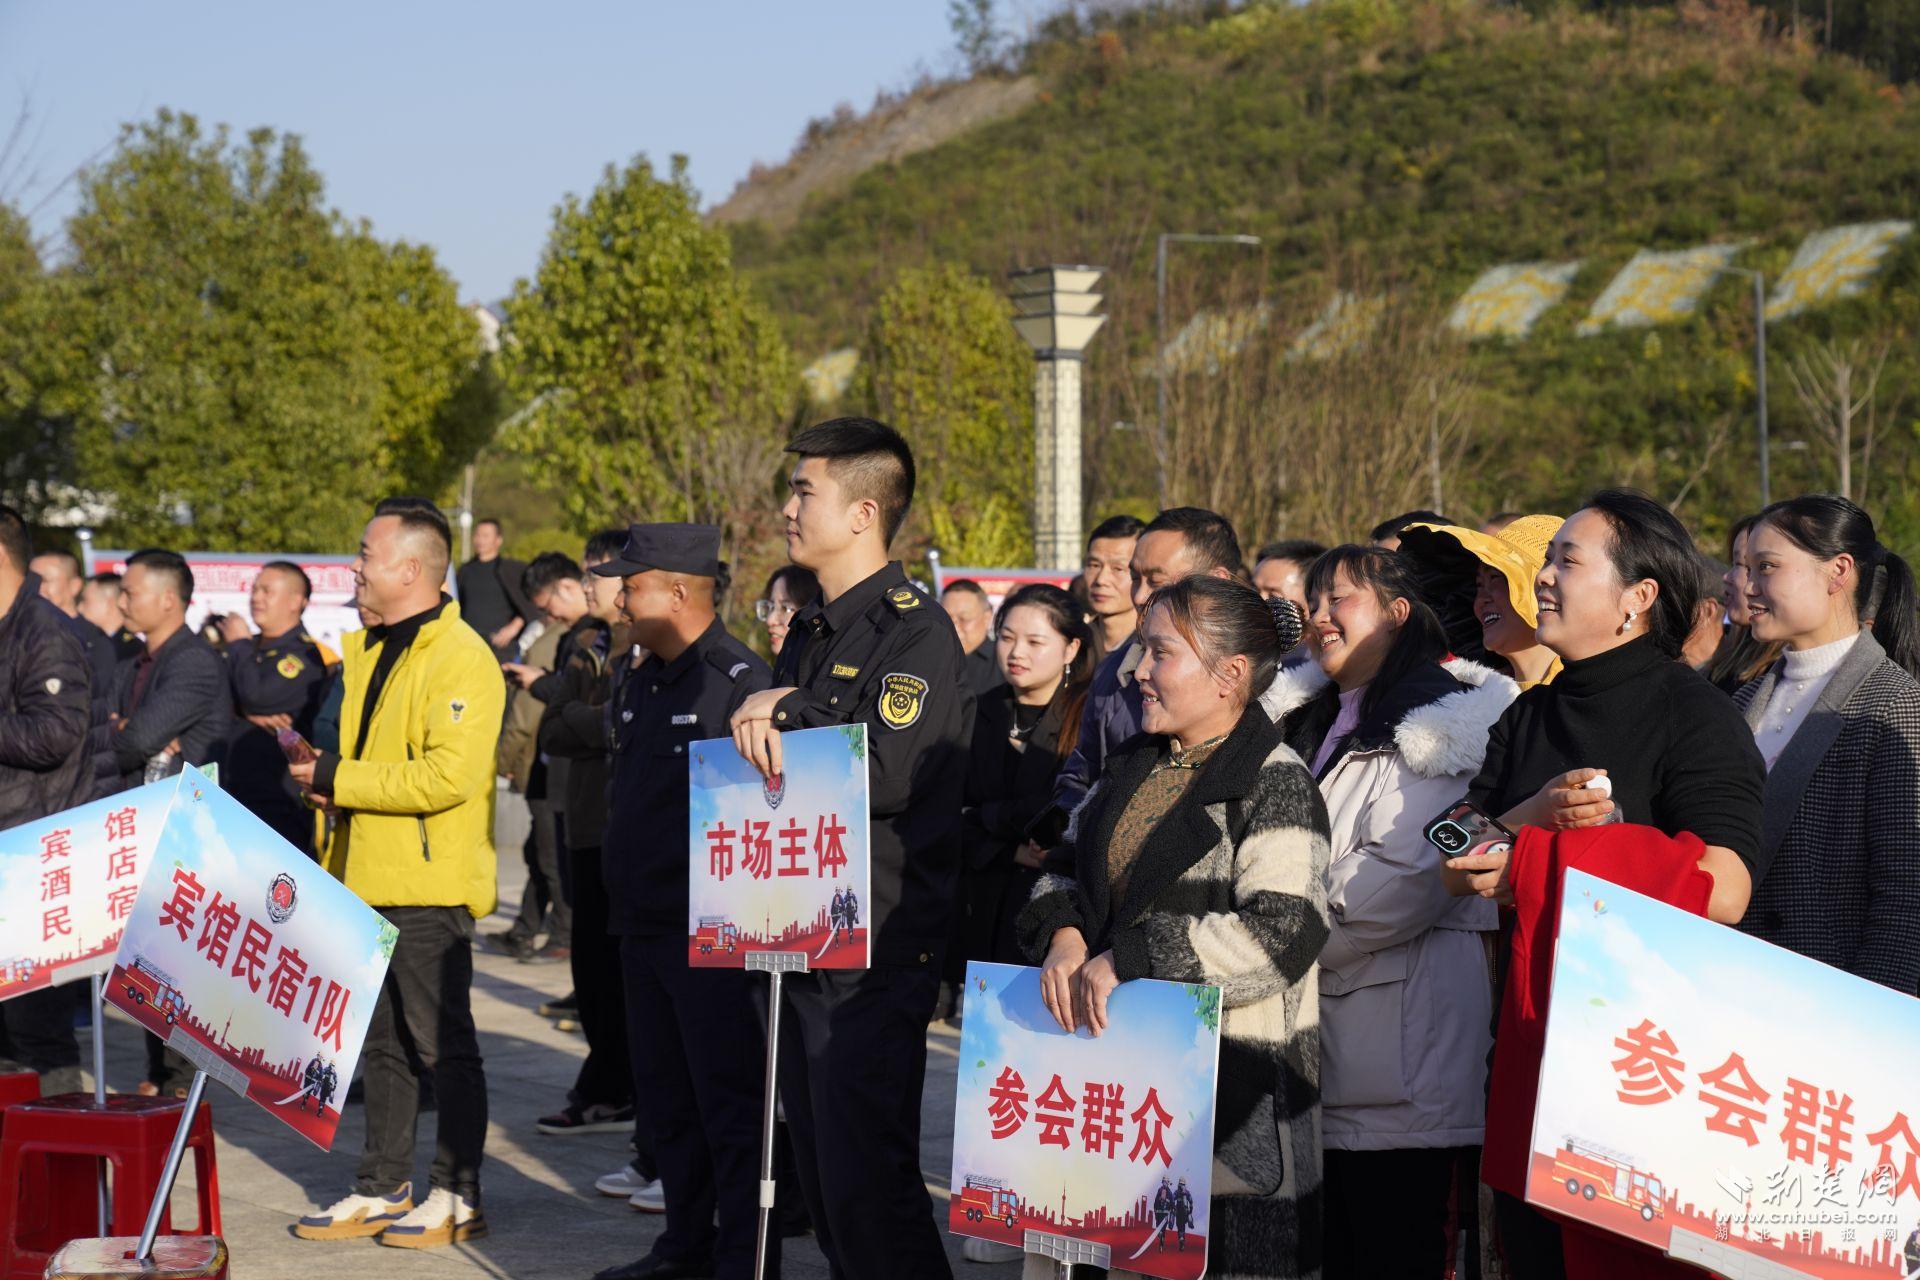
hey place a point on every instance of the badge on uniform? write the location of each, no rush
(290, 666)
(458, 708)
(901, 697)
(679, 720)
(53, 686)
(904, 598)
(841, 671)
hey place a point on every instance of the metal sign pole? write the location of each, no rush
(100, 1088)
(775, 964)
(171, 1170)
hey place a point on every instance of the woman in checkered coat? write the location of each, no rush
(1200, 856)
(1837, 720)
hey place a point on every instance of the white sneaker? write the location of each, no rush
(356, 1216)
(443, 1218)
(974, 1249)
(650, 1198)
(622, 1182)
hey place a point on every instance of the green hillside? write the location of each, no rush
(1405, 148)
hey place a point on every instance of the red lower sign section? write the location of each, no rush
(1163, 1256)
(723, 947)
(1556, 1181)
(268, 1084)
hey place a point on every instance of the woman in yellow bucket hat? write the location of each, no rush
(1504, 604)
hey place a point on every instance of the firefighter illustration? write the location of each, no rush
(1182, 1212)
(310, 1081)
(1162, 1213)
(845, 913)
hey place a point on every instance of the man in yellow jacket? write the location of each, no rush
(413, 787)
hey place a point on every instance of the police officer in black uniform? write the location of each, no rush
(278, 679)
(872, 650)
(694, 1034)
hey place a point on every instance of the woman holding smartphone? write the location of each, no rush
(1616, 599)
(1837, 721)
(1406, 999)
(1199, 856)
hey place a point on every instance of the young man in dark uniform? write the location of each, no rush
(871, 650)
(693, 1034)
(278, 679)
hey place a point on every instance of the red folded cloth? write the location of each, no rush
(1635, 857)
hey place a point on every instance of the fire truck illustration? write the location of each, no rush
(147, 983)
(16, 973)
(715, 934)
(983, 1198)
(1591, 1171)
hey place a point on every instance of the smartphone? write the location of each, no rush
(1464, 830)
(295, 748)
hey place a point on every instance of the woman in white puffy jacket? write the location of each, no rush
(1393, 738)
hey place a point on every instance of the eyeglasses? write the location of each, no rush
(767, 610)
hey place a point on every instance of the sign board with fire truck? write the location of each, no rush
(1731, 1104)
(1108, 1142)
(251, 961)
(780, 864)
(67, 885)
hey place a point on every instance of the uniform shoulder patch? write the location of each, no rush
(729, 662)
(905, 599)
(902, 698)
(456, 709)
(290, 666)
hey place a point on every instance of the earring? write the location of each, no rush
(1629, 625)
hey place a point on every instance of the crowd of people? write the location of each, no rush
(1187, 764)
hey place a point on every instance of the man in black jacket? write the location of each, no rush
(491, 600)
(61, 581)
(874, 651)
(171, 705)
(45, 767)
(279, 678)
(573, 733)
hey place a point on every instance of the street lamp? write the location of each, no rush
(1054, 310)
(1760, 376)
(1160, 306)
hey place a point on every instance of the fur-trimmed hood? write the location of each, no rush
(1444, 736)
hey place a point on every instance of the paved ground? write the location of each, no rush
(546, 1219)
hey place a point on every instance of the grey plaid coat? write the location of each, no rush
(1229, 888)
(1842, 824)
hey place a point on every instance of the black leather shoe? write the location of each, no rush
(657, 1268)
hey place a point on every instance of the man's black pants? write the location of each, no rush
(698, 1071)
(542, 901)
(1415, 1181)
(423, 1023)
(607, 1074)
(853, 1060)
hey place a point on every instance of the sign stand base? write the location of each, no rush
(143, 1252)
(100, 1087)
(775, 964)
(1067, 1251)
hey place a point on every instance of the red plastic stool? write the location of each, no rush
(18, 1086)
(49, 1154)
(174, 1258)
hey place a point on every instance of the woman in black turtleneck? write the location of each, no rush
(1616, 601)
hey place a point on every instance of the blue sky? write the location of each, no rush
(459, 126)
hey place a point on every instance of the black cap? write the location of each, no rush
(676, 548)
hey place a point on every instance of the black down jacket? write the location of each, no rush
(45, 683)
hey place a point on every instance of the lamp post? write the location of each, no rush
(1054, 310)
(1760, 377)
(1160, 310)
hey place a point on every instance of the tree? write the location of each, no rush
(33, 353)
(1836, 384)
(945, 366)
(975, 33)
(656, 386)
(255, 369)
